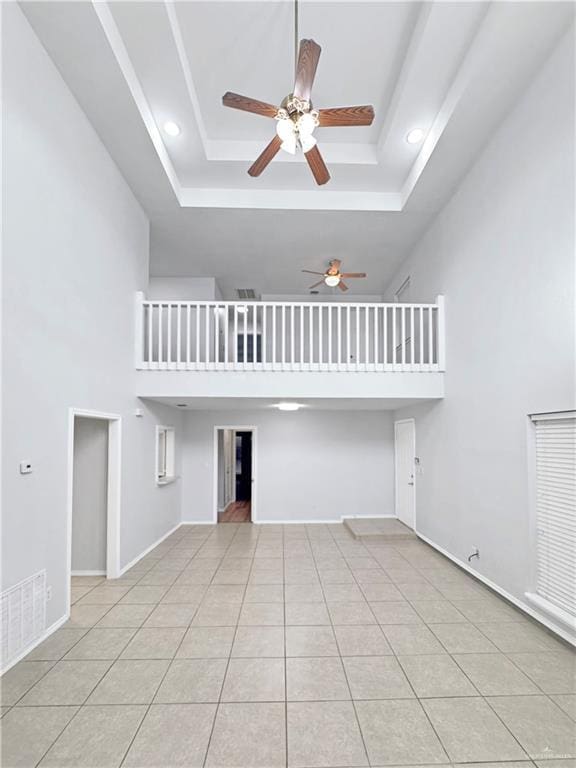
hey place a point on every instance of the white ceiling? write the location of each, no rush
(262, 403)
(453, 69)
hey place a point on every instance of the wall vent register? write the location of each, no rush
(555, 508)
(23, 609)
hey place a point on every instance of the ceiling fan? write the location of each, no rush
(333, 277)
(295, 117)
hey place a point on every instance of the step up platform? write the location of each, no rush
(378, 529)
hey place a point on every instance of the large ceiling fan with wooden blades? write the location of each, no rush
(296, 119)
(333, 277)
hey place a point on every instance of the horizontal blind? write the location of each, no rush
(556, 509)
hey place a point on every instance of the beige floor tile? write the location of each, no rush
(97, 737)
(86, 616)
(463, 638)
(437, 611)
(411, 639)
(206, 643)
(418, 591)
(18, 680)
(218, 615)
(264, 593)
(258, 642)
(303, 593)
(172, 735)
(307, 614)
(126, 616)
(494, 674)
(67, 683)
(171, 615)
(349, 613)
(100, 643)
(395, 613)
(470, 731)
(540, 726)
(154, 643)
(254, 680)
(248, 735)
(376, 677)
(515, 637)
(324, 734)
(262, 615)
(436, 676)
(130, 682)
(362, 641)
(28, 732)
(566, 702)
(144, 595)
(104, 595)
(343, 593)
(190, 595)
(481, 611)
(316, 679)
(57, 645)
(191, 681)
(552, 672)
(398, 732)
(382, 592)
(310, 641)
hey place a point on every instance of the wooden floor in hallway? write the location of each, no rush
(236, 512)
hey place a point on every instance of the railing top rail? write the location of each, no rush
(216, 303)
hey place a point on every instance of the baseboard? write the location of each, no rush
(368, 517)
(198, 522)
(553, 627)
(51, 629)
(88, 573)
(295, 522)
(149, 549)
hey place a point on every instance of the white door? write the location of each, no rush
(405, 453)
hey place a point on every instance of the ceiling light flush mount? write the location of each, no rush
(171, 128)
(415, 136)
(288, 406)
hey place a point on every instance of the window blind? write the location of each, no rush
(556, 509)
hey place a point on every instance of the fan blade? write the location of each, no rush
(265, 157)
(308, 57)
(317, 165)
(315, 284)
(342, 286)
(310, 272)
(353, 274)
(342, 116)
(236, 101)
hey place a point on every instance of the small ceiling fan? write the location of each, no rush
(295, 117)
(333, 277)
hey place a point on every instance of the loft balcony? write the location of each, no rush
(212, 349)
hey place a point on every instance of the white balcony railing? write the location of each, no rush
(289, 336)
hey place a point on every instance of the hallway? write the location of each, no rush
(236, 512)
(290, 645)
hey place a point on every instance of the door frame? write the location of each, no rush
(236, 428)
(413, 422)
(113, 496)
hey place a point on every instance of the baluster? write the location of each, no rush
(412, 338)
(207, 334)
(421, 337)
(274, 332)
(169, 341)
(264, 333)
(376, 321)
(160, 339)
(320, 336)
(339, 325)
(245, 337)
(226, 333)
(403, 327)
(329, 309)
(235, 321)
(178, 336)
(150, 343)
(385, 337)
(292, 366)
(311, 334)
(301, 318)
(367, 338)
(357, 350)
(348, 336)
(430, 338)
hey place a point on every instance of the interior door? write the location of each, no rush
(405, 471)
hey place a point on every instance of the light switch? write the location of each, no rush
(25, 467)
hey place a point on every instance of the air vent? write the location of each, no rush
(246, 293)
(23, 609)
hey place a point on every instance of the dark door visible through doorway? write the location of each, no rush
(243, 466)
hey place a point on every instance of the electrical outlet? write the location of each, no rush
(48, 594)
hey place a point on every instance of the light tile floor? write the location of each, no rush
(241, 646)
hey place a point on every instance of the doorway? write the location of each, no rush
(234, 474)
(405, 471)
(93, 497)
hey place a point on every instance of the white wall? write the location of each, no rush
(502, 251)
(89, 509)
(75, 251)
(183, 289)
(310, 465)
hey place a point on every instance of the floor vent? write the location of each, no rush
(23, 616)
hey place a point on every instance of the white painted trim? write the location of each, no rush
(254, 492)
(368, 517)
(555, 613)
(413, 422)
(570, 638)
(44, 636)
(298, 522)
(113, 500)
(88, 573)
(291, 199)
(149, 549)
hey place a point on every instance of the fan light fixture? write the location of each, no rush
(242, 309)
(332, 280)
(288, 406)
(295, 125)
(172, 129)
(415, 136)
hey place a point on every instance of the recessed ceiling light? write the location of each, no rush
(172, 129)
(415, 136)
(288, 406)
